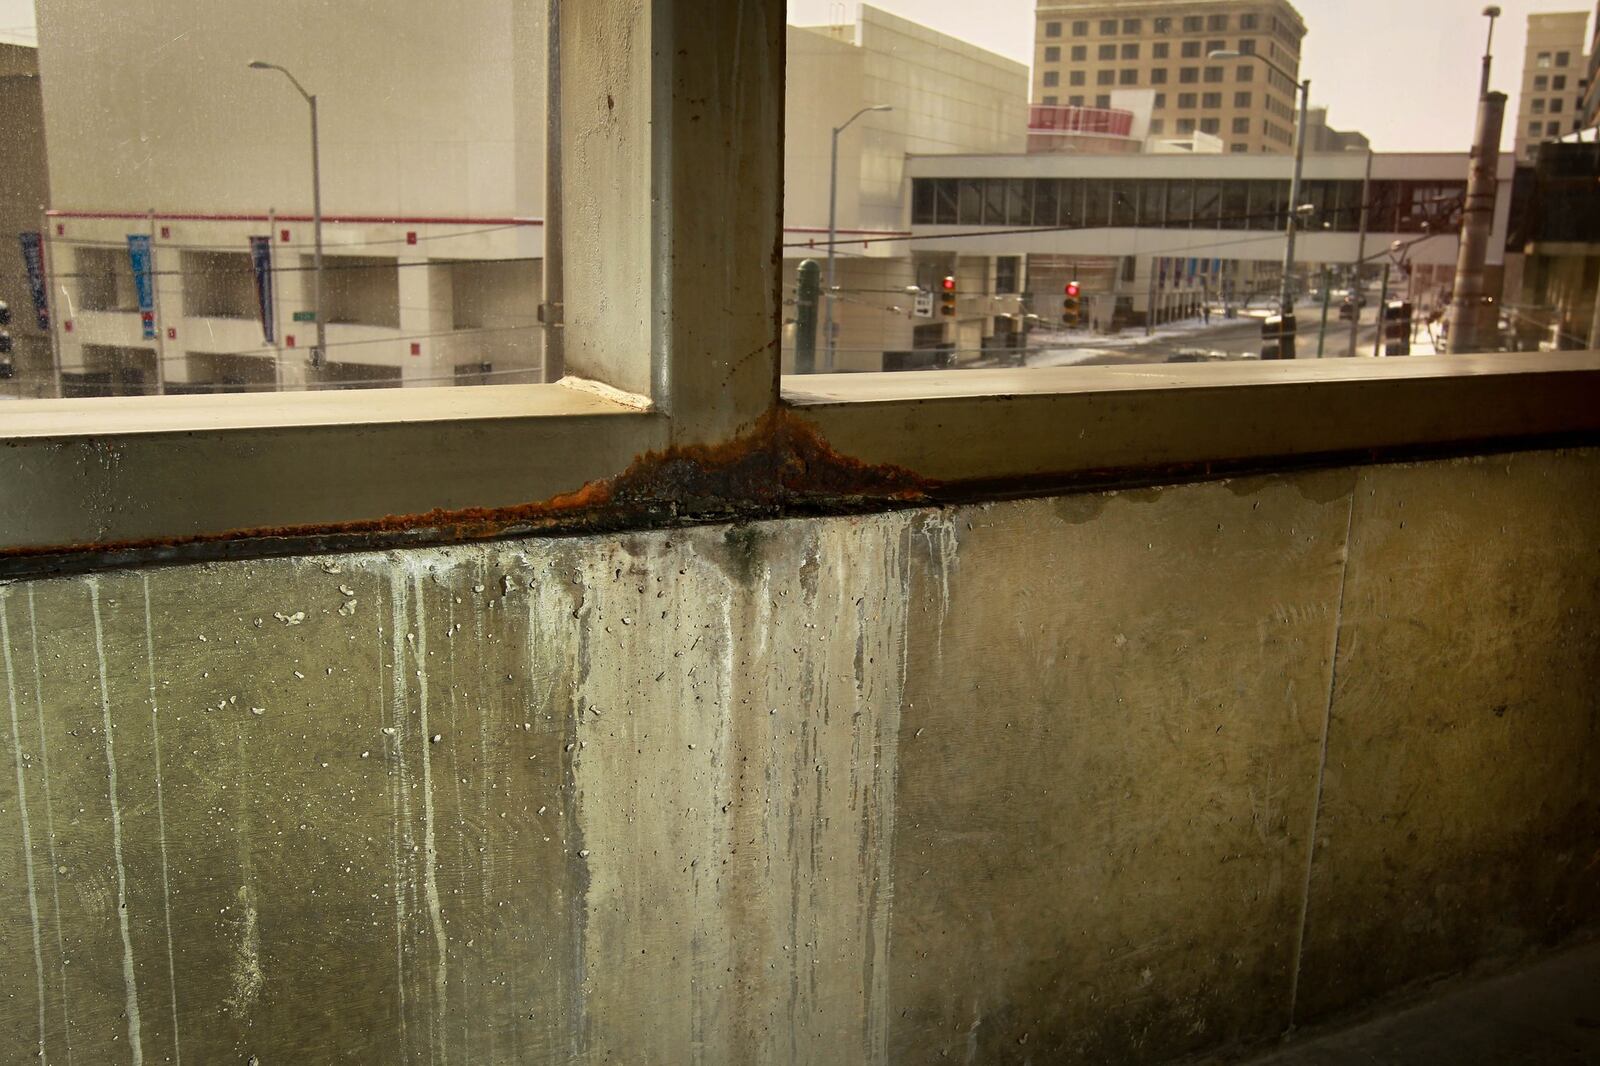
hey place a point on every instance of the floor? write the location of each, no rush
(1547, 1013)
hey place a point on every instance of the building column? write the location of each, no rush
(427, 311)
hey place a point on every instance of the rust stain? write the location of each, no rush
(782, 464)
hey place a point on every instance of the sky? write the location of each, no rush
(1404, 72)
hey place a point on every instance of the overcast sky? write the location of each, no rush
(1404, 72)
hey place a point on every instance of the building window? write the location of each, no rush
(1241, 99)
(1102, 100)
(1080, 29)
(1189, 75)
(1158, 76)
(1052, 29)
(1128, 76)
(1163, 25)
(1534, 128)
(1210, 125)
(1075, 101)
(1249, 22)
(1159, 50)
(1557, 83)
(1186, 125)
(1161, 99)
(1049, 101)
(1132, 26)
(1105, 77)
(1214, 74)
(1157, 125)
(1108, 27)
(1217, 23)
(1076, 78)
(1541, 83)
(1552, 129)
(1563, 58)
(1556, 105)
(1130, 51)
(1247, 46)
(1538, 106)
(1007, 272)
(1216, 46)
(1191, 49)
(1241, 125)
(1052, 79)
(1193, 24)
(1186, 100)
(1211, 100)
(1052, 54)
(1542, 61)
(1238, 147)
(1108, 51)
(1244, 72)
(1080, 52)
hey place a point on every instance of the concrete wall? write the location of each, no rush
(1097, 778)
(23, 191)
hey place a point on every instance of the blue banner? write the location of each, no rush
(33, 258)
(261, 258)
(143, 282)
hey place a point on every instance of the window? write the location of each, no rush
(1007, 273)
(1186, 100)
(1158, 76)
(1186, 125)
(1211, 100)
(1216, 46)
(1052, 54)
(1079, 29)
(1105, 77)
(1108, 51)
(1238, 147)
(1102, 100)
(1247, 46)
(1132, 26)
(1241, 99)
(1249, 22)
(1552, 129)
(1128, 76)
(1080, 52)
(1157, 125)
(1049, 101)
(1161, 98)
(1214, 74)
(1563, 59)
(1538, 106)
(1558, 83)
(1163, 25)
(1556, 105)
(1159, 50)
(1075, 101)
(1191, 50)
(1210, 125)
(1052, 29)
(1077, 78)
(1052, 79)
(1541, 83)
(1130, 51)
(1189, 75)
(1241, 125)
(1108, 27)
(1217, 23)
(1542, 61)
(1193, 24)
(1244, 72)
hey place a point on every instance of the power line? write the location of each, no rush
(168, 243)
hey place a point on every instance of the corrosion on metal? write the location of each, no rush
(782, 465)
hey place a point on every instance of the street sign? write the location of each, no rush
(924, 305)
(305, 316)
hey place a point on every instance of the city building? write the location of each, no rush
(1591, 88)
(1084, 50)
(24, 179)
(1321, 137)
(945, 96)
(1557, 299)
(1555, 70)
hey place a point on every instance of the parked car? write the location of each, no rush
(1350, 307)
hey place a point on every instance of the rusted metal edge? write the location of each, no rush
(783, 468)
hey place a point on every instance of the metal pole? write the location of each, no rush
(833, 223)
(1357, 289)
(555, 352)
(155, 306)
(805, 328)
(1150, 305)
(320, 356)
(1327, 285)
(1383, 301)
(1491, 13)
(1286, 298)
(1471, 297)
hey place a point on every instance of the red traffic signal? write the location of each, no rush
(1072, 288)
(947, 299)
(949, 284)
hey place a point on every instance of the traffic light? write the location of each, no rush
(1071, 305)
(947, 297)
(1397, 327)
(5, 313)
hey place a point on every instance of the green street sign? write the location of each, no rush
(305, 316)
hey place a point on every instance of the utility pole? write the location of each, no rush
(833, 218)
(1322, 331)
(1383, 309)
(1471, 300)
(1358, 289)
(551, 312)
(808, 291)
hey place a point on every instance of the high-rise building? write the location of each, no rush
(1086, 49)
(1591, 95)
(1550, 99)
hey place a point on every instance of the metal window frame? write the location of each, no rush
(675, 411)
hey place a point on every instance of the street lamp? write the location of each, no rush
(833, 219)
(1286, 297)
(1491, 13)
(319, 353)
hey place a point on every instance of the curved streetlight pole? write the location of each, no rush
(833, 220)
(319, 353)
(1291, 225)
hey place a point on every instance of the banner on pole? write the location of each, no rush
(33, 258)
(261, 258)
(143, 281)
